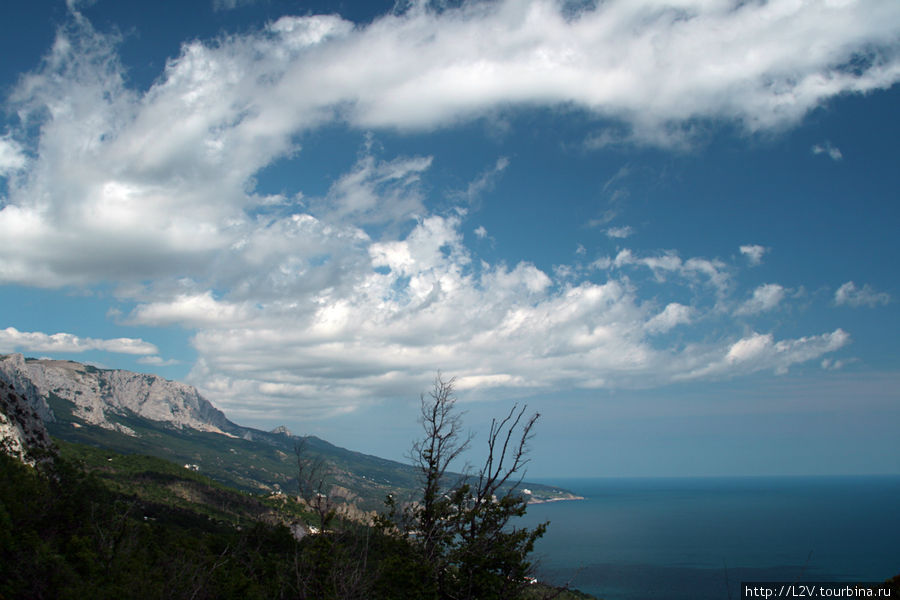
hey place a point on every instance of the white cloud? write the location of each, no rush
(833, 152)
(674, 314)
(765, 297)
(650, 64)
(754, 253)
(759, 352)
(421, 304)
(375, 192)
(619, 232)
(157, 361)
(485, 182)
(830, 364)
(195, 310)
(323, 302)
(669, 263)
(172, 165)
(12, 156)
(480, 232)
(602, 264)
(12, 340)
(317, 338)
(849, 295)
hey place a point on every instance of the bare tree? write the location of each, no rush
(463, 528)
(441, 445)
(507, 456)
(491, 557)
(312, 481)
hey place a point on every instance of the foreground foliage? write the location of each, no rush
(106, 525)
(464, 529)
(64, 534)
(90, 523)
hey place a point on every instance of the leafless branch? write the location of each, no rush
(312, 481)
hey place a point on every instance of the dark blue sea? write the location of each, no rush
(697, 539)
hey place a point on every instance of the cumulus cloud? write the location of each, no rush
(194, 310)
(850, 295)
(765, 297)
(833, 152)
(12, 157)
(157, 361)
(674, 314)
(754, 253)
(315, 303)
(712, 271)
(422, 303)
(759, 352)
(12, 340)
(619, 232)
(172, 165)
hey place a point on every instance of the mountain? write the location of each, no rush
(97, 395)
(22, 431)
(14, 371)
(134, 413)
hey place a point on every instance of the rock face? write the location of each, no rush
(14, 371)
(22, 431)
(99, 393)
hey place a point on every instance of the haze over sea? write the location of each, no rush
(698, 538)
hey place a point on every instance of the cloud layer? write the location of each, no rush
(13, 340)
(365, 290)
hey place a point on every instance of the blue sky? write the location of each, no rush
(670, 227)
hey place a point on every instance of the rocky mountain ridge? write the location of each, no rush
(22, 431)
(99, 394)
(135, 413)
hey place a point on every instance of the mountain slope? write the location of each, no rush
(22, 431)
(14, 371)
(135, 413)
(99, 394)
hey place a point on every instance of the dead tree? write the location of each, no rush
(463, 527)
(312, 481)
(491, 556)
(439, 447)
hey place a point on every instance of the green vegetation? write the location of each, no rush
(251, 460)
(159, 482)
(94, 523)
(65, 534)
(463, 533)
(240, 463)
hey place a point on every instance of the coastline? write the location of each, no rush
(549, 500)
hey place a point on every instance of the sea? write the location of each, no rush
(699, 538)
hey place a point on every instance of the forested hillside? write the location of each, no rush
(81, 521)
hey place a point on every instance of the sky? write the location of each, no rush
(670, 227)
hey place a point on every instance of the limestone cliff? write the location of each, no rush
(98, 394)
(14, 371)
(22, 432)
